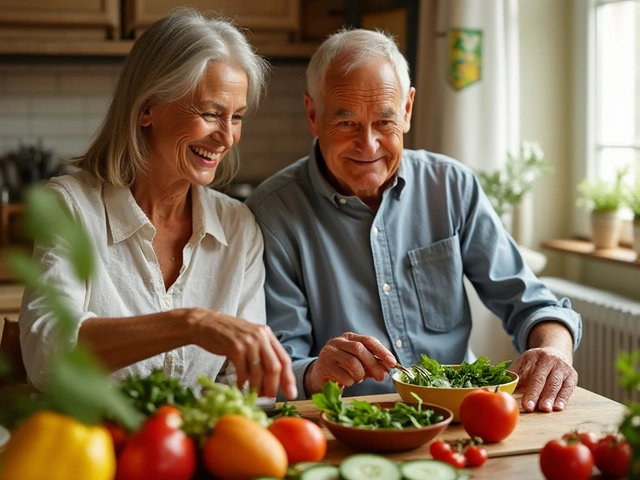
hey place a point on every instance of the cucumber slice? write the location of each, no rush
(321, 472)
(367, 466)
(296, 469)
(428, 470)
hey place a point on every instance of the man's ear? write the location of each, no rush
(312, 114)
(145, 117)
(408, 109)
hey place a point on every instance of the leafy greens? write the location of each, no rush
(477, 374)
(362, 414)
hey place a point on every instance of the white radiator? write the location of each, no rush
(611, 325)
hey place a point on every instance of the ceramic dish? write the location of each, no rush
(450, 398)
(4, 437)
(388, 440)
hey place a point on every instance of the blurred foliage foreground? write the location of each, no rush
(77, 386)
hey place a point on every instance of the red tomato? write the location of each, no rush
(612, 456)
(456, 459)
(159, 450)
(475, 456)
(562, 460)
(589, 439)
(302, 439)
(118, 434)
(440, 450)
(489, 415)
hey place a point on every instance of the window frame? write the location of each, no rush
(585, 108)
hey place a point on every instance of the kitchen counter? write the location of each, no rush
(518, 455)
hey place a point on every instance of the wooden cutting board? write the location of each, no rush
(586, 411)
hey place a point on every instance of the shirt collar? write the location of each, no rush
(125, 216)
(324, 188)
(205, 216)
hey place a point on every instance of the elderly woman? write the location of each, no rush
(179, 277)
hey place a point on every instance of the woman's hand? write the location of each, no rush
(253, 349)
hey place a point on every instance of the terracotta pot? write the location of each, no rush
(605, 229)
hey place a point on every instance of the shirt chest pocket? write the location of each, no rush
(437, 274)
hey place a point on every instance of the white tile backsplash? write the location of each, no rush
(64, 104)
(43, 105)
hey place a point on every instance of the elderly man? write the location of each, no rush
(367, 243)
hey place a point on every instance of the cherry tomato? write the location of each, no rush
(302, 439)
(440, 450)
(118, 434)
(589, 439)
(612, 456)
(456, 459)
(562, 460)
(475, 456)
(159, 450)
(489, 415)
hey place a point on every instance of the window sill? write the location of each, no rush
(583, 248)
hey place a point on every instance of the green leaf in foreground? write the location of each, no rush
(78, 386)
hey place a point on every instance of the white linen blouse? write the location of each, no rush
(222, 270)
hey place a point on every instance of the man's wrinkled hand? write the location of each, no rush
(548, 379)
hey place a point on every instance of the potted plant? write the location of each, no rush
(505, 188)
(605, 200)
(634, 204)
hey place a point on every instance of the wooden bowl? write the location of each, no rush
(450, 398)
(386, 439)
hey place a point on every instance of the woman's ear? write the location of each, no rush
(145, 117)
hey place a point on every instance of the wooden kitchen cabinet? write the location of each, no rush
(277, 28)
(266, 19)
(59, 19)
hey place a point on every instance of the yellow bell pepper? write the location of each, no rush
(51, 446)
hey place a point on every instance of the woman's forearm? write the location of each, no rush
(118, 342)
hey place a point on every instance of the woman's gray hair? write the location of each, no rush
(355, 48)
(165, 64)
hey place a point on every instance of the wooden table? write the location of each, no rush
(517, 457)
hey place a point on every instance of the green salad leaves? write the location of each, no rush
(363, 414)
(477, 374)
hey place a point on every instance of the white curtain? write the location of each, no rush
(467, 98)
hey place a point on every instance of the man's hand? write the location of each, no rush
(545, 369)
(347, 360)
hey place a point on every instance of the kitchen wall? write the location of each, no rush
(546, 69)
(63, 103)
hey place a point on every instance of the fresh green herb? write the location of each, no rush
(149, 393)
(363, 414)
(629, 367)
(285, 410)
(477, 374)
(216, 401)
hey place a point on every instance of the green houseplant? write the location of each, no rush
(507, 187)
(605, 199)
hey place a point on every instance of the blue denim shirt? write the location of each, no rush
(334, 266)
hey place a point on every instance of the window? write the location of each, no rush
(617, 108)
(607, 99)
